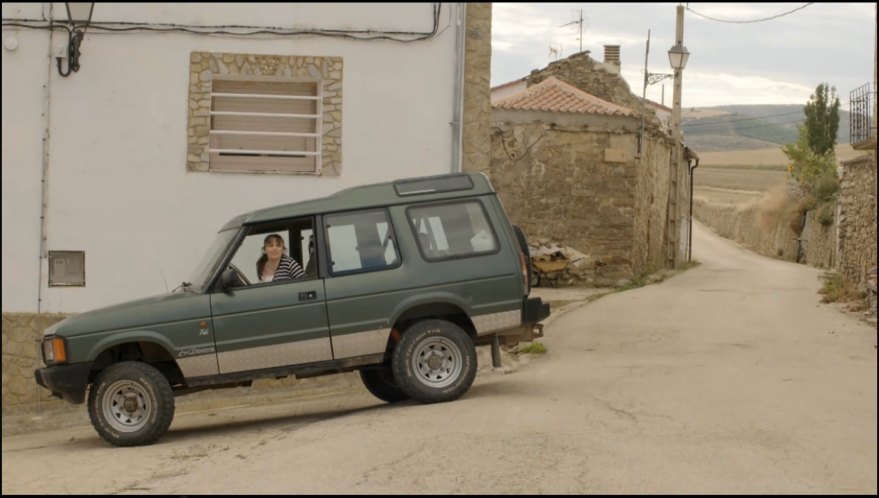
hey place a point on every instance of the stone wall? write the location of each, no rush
(818, 242)
(21, 331)
(555, 182)
(477, 89)
(651, 197)
(857, 221)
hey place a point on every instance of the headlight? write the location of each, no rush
(54, 350)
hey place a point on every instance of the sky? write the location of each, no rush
(775, 61)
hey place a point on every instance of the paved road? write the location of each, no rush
(728, 378)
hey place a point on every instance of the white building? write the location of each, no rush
(133, 162)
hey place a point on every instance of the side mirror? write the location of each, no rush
(227, 279)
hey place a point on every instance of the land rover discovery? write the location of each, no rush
(402, 280)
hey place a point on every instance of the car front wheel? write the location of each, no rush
(434, 361)
(131, 404)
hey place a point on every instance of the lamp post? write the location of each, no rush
(79, 15)
(677, 57)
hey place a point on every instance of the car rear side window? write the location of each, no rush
(452, 230)
(359, 242)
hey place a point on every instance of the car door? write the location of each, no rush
(270, 324)
(363, 282)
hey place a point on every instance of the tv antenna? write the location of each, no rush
(555, 51)
(580, 22)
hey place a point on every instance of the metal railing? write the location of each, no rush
(861, 111)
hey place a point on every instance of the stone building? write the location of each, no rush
(567, 166)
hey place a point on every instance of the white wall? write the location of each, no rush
(118, 185)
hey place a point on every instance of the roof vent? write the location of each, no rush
(612, 54)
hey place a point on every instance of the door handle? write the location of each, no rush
(307, 296)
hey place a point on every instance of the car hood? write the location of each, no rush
(163, 308)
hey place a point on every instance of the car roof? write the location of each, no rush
(404, 191)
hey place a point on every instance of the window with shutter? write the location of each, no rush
(265, 124)
(252, 113)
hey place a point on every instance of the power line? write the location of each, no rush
(753, 20)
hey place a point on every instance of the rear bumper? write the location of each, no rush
(534, 310)
(65, 381)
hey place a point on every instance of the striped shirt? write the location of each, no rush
(288, 268)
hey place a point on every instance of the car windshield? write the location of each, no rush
(211, 258)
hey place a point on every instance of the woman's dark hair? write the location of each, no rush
(261, 262)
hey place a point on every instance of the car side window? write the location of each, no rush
(361, 241)
(452, 230)
(256, 260)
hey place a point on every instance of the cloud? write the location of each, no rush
(777, 61)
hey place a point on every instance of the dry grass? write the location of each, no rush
(835, 290)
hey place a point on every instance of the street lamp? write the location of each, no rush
(79, 15)
(677, 57)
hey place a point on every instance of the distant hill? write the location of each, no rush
(747, 127)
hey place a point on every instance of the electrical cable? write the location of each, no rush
(751, 21)
(254, 30)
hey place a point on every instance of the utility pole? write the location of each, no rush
(673, 230)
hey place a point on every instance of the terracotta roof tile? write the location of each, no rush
(554, 95)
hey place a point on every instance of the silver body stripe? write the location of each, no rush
(275, 355)
(360, 343)
(491, 322)
(197, 366)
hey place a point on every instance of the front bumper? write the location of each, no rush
(65, 381)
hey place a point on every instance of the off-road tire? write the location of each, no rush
(380, 382)
(523, 246)
(435, 361)
(131, 404)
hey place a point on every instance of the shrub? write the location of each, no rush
(825, 188)
(533, 348)
(826, 213)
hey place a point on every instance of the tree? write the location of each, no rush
(805, 165)
(813, 156)
(822, 119)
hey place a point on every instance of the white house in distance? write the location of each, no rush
(116, 176)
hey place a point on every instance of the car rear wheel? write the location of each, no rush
(380, 382)
(435, 361)
(131, 404)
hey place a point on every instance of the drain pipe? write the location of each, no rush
(458, 96)
(44, 195)
(691, 156)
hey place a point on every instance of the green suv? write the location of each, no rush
(398, 280)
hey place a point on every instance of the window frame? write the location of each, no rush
(285, 225)
(415, 232)
(328, 249)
